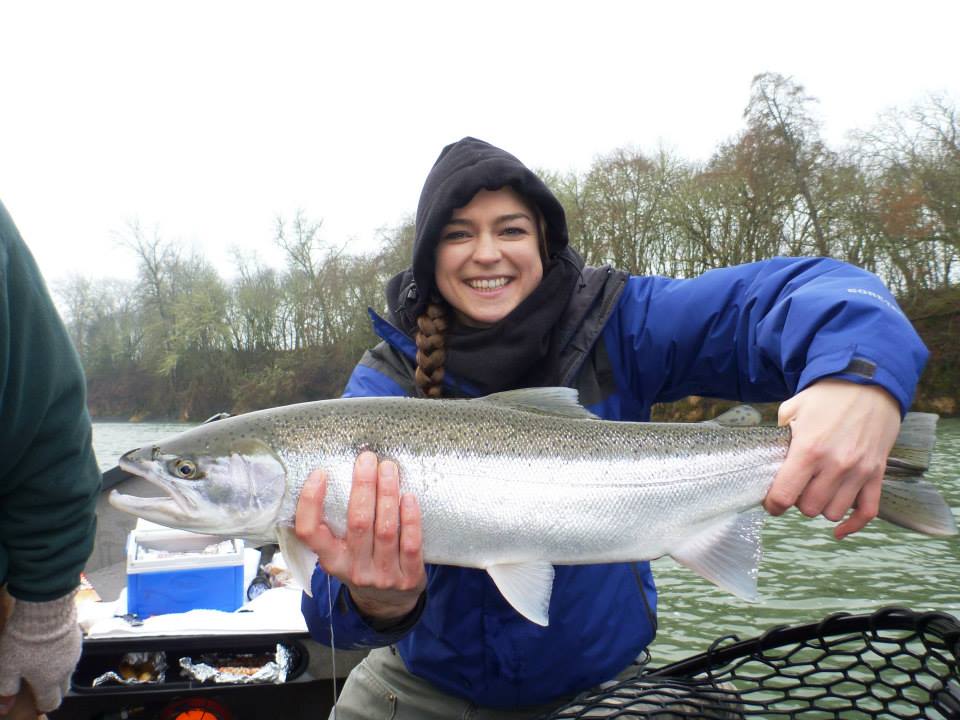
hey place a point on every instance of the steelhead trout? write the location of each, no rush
(512, 483)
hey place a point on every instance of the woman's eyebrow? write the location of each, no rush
(513, 216)
(510, 217)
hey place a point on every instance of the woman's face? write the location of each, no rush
(488, 259)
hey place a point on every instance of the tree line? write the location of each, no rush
(180, 341)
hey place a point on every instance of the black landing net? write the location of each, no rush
(893, 663)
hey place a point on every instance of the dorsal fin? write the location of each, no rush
(556, 401)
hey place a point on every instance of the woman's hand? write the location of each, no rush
(381, 558)
(842, 433)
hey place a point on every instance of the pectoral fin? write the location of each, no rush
(527, 587)
(299, 558)
(727, 553)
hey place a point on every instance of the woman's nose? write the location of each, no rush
(487, 249)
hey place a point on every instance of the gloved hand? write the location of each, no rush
(40, 644)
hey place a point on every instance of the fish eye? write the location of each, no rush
(184, 469)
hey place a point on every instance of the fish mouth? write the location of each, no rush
(174, 503)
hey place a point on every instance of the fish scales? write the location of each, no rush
(513, 483)
(481, 471)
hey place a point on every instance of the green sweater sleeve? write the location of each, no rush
(49, 479)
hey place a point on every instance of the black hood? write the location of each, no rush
(460, 172)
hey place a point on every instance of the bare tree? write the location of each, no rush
(778, 116)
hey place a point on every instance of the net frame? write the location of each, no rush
(893, 663)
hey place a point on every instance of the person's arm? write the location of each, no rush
(765, 331)
(368, 588)
(825, 332)
(49, 479)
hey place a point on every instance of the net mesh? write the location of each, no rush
(893, 663)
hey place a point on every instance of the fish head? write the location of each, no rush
(221, 483)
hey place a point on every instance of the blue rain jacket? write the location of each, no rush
(757, 332)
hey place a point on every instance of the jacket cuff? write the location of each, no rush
(394, 627)
(857, 367)
(348, 629)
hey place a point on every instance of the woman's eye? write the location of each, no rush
(455, 235)
(515, 231)
(184, 469)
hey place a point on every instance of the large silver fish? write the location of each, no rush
(512, 483)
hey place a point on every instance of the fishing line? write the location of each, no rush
(333, 648)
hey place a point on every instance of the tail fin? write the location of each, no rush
(907, 499)
(914, 445)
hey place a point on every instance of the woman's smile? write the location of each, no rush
(488, 285)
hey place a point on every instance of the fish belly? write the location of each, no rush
(479, 511)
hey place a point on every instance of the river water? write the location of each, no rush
(805, 574)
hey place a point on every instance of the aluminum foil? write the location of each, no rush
(136, 668)
(240, 667)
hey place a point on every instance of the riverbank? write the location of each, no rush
(238, 382)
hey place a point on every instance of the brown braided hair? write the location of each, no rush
(431, 355)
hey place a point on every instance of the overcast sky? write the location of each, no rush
(205, 120)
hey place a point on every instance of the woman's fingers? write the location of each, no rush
(795, 472)
(397, 546)
(386, 540)
(860, 488)
(411, 540)
(789, 483)
(828, 485)
(361, 514)
(383, 582)
(866, 507)
(310, 527)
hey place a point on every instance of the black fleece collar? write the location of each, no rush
(538, 344)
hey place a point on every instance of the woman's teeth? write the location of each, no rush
(488, 284)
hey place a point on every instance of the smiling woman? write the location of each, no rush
(496, 300)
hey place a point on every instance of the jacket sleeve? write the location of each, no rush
(331, 616)
(49, 479)
(763, 332)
